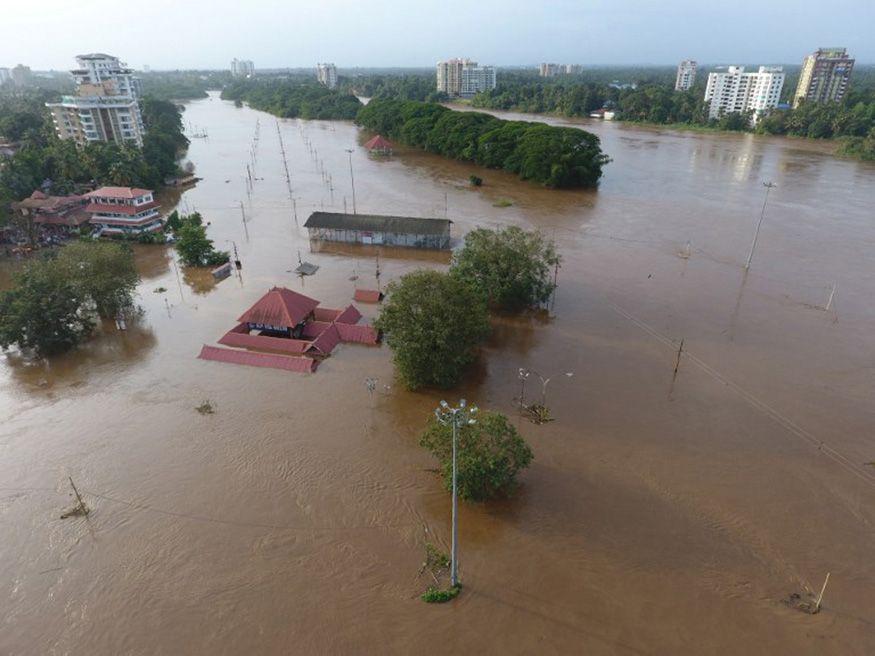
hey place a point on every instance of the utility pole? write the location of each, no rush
(456, 417)
(768, 185)
(245, 227)
(352, 180)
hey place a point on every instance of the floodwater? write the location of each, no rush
(659, 516)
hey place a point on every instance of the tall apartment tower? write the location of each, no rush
(105, 106)
(825, 76)
(737, 91)
(686, 76)
(550, 70)
(463, 77)
(242, 68)
(327, 75)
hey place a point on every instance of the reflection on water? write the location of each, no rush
(268, 526)
(370, 251)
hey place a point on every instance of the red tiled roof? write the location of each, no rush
(242, 339)
(118, 192)
(280, 307)
(350, 315)
(378, 143)
(358, 334)
(290, 363)
(329, 338)
(368, 295)
(130, 210)
(325, 314)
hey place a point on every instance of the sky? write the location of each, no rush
(171, 34)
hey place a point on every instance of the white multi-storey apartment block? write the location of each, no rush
(123, 210)
(463, 77)
(105, 106)
(686, 75)
(327, 75)
(242, 68)
(737, 91)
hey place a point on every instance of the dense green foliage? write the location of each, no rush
(55, 298)
(433, 323)
(293, 99)
(181, 85)
(489, 455)
(45, 157)
(396, 87)
(553, 156)
(511, 266)
(434, 595)
(194, 247)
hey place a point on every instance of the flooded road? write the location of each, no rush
(658, 517)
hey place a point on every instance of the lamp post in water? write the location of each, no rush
(457, 418)
(524, 373)
(352, 179)
(768, 185)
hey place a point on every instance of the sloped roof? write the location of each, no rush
(378, 143)
(368, 295)
(280, 307)
(126, 193)
(378, 223)
(272, 360)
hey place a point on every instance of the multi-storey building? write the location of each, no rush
(573, 69)
(736, 91)
(5, 75)
(825, 76)
(242, 68)
(550, 70)
(463, 77)
(327, 75)
(123, 210)
(105, 106)
(686, 75)
(477, 79)
(21, 75)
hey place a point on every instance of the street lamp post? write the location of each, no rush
(523, 376)
(352, 179)
(524, 373)
(768, 185)
(456, 417)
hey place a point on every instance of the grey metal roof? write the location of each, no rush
(378, 223)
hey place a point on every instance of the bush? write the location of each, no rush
(433, 323)
(511, 266)
(490, 453)
(475, 180)
(434, 595)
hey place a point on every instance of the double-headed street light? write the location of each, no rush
(525, 373)
(464, 415)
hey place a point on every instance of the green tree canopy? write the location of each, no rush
(489, 455)
(54, 299)
(511, 266)
(433, 323)
(194, 247)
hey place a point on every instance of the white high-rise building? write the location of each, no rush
(242, 68)
(686, 76)
(105, 107)
(327, 75)
(464, 77)
(5, 75)
(737, 91)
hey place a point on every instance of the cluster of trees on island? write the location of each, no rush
(552, 156)
(66, 165)
(291, 98)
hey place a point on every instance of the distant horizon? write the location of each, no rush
(207, 35)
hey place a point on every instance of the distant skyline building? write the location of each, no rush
(327, 75)
(825, 76)
(464, 77)
(242, 68)
(686, 75)
(105, 106)
(21, 75)
(5, 75)
(737, 91)
(552, 70)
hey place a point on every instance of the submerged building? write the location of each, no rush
(287, 330)
(123, 211)
(376, 229)
(62, 211)
(105, 107)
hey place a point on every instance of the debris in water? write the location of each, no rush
(206, 408)
(80, 509)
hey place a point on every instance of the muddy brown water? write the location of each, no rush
(657, 518)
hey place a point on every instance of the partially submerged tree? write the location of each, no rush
(513, 267)
(490, 454)
(433, 323)
(194, 247)
(55, 299)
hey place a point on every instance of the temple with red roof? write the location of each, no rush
(287, 330)
(379, 145)
(123, 210)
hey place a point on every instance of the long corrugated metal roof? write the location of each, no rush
(378, 223)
